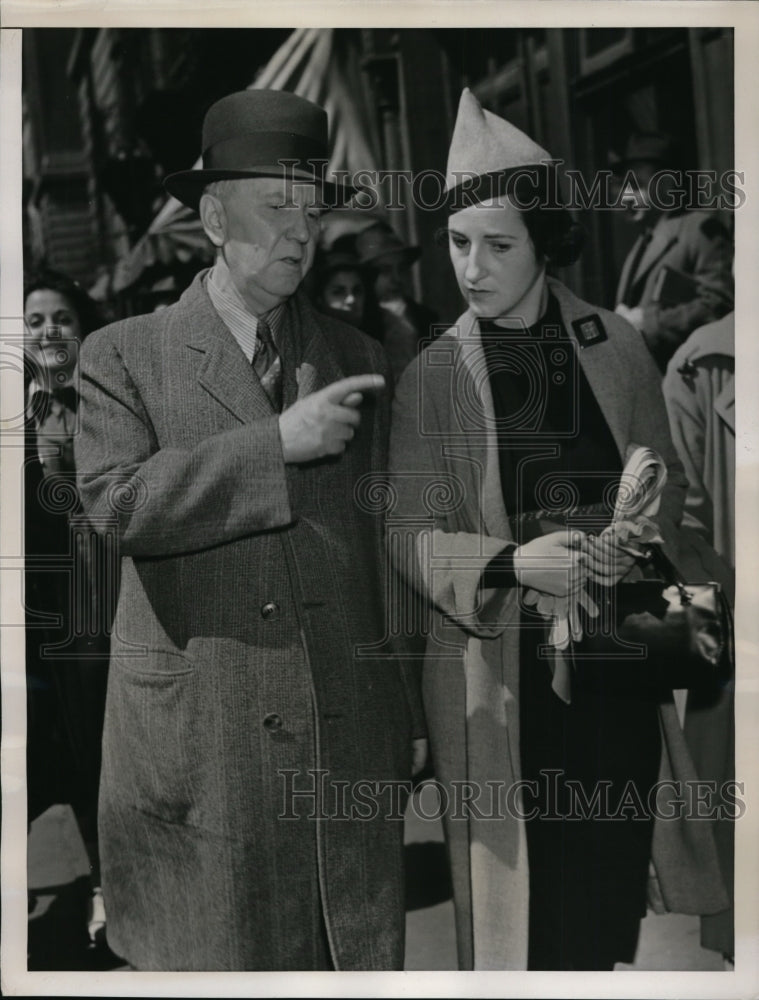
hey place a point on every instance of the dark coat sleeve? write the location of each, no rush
(163, 500)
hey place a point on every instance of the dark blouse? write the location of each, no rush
(556, 452)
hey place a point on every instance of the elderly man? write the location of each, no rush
(259, 725)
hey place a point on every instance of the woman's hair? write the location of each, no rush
(534, 193)
(86, 309)
(554, 234)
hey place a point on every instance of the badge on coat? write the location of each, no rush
(589, 330)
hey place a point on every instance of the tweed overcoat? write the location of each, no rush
(444, 460)
(241, 658)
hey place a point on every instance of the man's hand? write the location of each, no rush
(552, 564)
(419, 750)
(323, 422)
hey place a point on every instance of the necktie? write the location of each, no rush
(53, 415)
(627, 297)
(43, 401)
(267, 364)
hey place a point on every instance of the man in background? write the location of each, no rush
(676, 276)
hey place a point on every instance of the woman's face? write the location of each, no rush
(494, 259)
(344, 295)
(53, 333)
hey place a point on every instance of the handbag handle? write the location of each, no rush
(667, 570)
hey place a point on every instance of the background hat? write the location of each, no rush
(648, 147)
(249, 133)
(483, 144)
(329, 261)
(380, 241)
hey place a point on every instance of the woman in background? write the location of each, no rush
(67, 612)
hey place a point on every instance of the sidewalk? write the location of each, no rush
(58, 889)
(667, 942)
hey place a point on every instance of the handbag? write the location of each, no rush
(659, 631)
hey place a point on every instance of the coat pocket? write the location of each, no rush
(154, 667)
(153, 753)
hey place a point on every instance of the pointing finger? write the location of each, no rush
(344, 387)
(353, 399)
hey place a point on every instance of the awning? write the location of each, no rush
(315, 63)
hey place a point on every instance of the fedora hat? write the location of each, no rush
(486, 151)
(380, 241)
(648, 147)
(328, 262)
(261, 133)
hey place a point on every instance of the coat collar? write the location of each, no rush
(665, 235)
(716, 338)
(724, 405)
(222, 368)
(483, 446)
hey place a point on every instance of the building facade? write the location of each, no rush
(108, 112)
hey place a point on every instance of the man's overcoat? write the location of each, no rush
(241, 665)
(697, 245)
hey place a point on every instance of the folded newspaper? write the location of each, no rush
(641, 483)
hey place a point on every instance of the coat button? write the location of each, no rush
(272, 722)
(269, 610)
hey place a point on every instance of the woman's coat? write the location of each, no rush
(446, 475)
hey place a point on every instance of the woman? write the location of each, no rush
(513, 425)
(340, 289)
(67, 614)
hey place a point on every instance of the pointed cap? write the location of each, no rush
(483, 143)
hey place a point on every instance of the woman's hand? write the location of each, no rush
(605, 559)
(553, 564)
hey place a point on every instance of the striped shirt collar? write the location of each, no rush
(228, 303)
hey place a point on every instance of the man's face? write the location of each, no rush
(635, 191)
(270, 232)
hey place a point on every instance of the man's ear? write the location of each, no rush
(213, 218)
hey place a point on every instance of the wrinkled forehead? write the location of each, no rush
(282, 190)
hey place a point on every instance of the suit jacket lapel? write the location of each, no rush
(724, 405)
(665, 235)
(222, 368)
(625, 277)
(316, 365)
